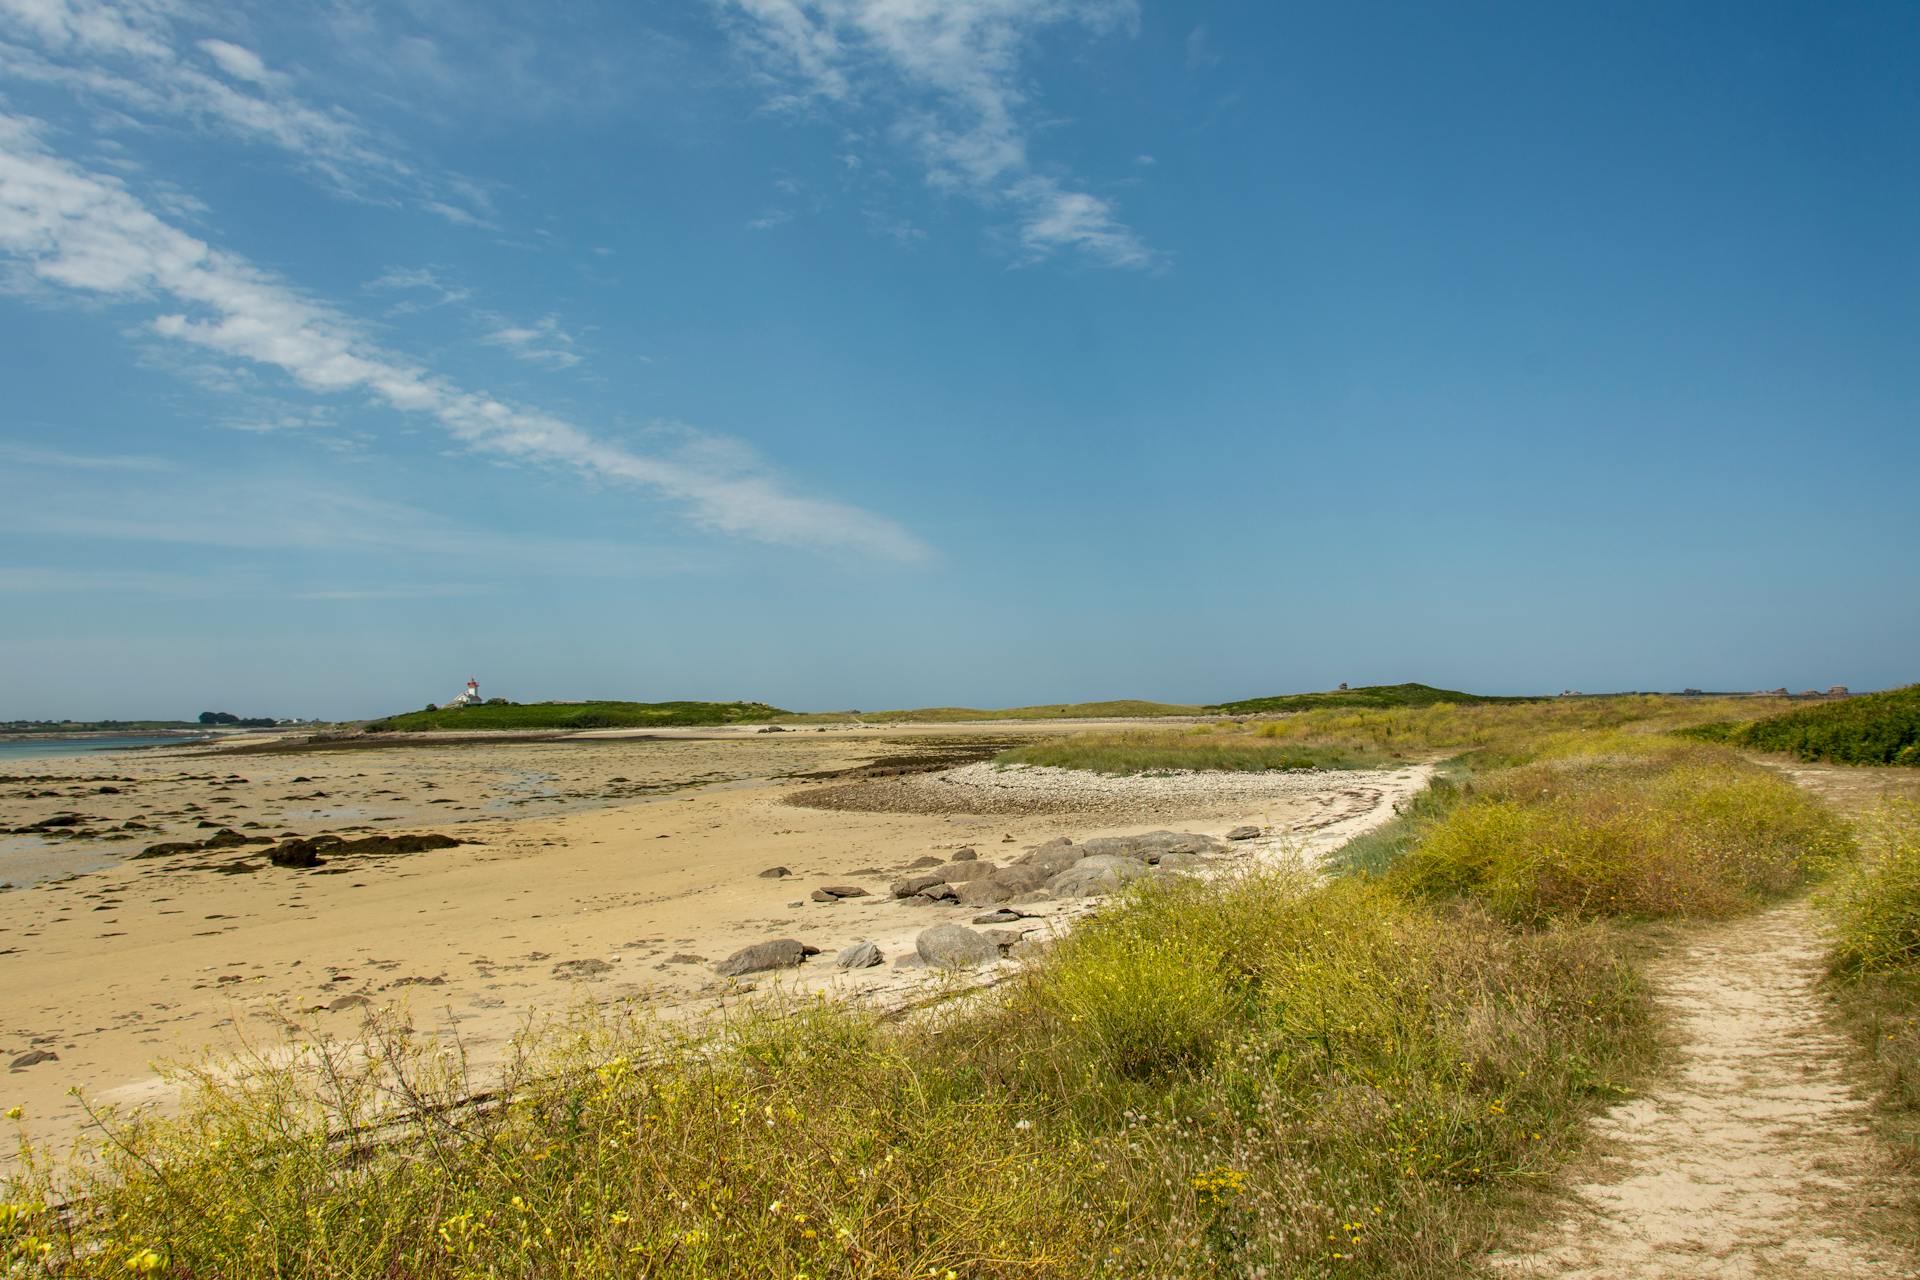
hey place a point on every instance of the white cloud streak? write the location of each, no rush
(951, 70)
(77, 230)
(543, 343)
(131, 54)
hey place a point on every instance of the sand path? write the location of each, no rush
(1754, 1157)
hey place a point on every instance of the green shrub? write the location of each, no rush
(1875, 728)
(1642, 828)
(1875, 906)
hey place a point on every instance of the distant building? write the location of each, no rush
(1689, 693)
(1781, 692)
(471, 698)
(1837, 691)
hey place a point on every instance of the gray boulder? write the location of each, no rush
(999, 916)
(834, 892)
(780, 953)
(965, 855)
(775, 873)
(1180, 861)
(984, 892)
(1243, 833)
(1053, 846)
(954, 946)
(861, 955)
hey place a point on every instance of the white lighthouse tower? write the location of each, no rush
(471, 698)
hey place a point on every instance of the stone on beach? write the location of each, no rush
(1243, 833)
(861, 955)
(779, 953)
(954, 946)
(775, 873)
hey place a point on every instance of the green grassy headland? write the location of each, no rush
(1376, 696)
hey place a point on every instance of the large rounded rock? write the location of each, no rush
(961, 872)
(954, 946)
(780, 953)
(1090, 877)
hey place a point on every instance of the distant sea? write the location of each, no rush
(38, 748)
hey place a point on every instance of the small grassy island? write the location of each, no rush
(573, 715)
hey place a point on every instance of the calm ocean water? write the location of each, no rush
(37, 748)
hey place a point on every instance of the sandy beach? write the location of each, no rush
(601, 867)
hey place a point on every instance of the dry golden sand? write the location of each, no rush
(574, 887)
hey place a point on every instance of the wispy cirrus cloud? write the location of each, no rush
(31, 456)
(139, 57)
(949, 74)
(76, 230)
(543, 343)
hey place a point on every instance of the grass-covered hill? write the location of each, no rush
(1875, 728)
(1127, 708)
(575, 715)
(1372, 696)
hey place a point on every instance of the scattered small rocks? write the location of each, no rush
(589, 969)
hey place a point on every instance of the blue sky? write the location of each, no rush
(892, 352)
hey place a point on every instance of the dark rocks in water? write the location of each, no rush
(780, 953)
(775, 873)
(33, 1059)
(954, 946)
(861, 955)
(1243, 833)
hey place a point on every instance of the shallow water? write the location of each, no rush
(41, 748)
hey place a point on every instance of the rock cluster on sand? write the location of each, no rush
(1057, 869)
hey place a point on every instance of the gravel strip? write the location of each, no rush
(1041, 789)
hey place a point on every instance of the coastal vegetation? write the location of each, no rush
(573, 715)
(1372, 1074)
(1874, 728)
(1874, 909)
